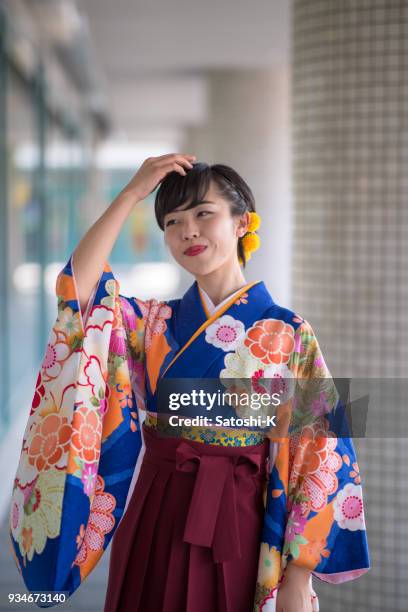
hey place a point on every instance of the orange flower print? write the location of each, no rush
(87, 433)
(271, 341)
(80, 537)
(101, 521)
(316, 549)
(125, 395)
(314, 465)
(242, 299)
(27, 539)
(311, 452)
(154, 314)
(50, 442)
(355, 474)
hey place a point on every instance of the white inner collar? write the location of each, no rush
(209, 303)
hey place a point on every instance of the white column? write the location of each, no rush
(248, 129)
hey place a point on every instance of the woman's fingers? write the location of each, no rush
(173, 159)
(170, 167)
(163, 159)
(178, 168)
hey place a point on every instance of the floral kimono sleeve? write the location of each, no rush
(314, 514)
(82, 438)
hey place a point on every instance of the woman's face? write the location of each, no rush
(208, 225)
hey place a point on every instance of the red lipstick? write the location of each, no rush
(195, 250)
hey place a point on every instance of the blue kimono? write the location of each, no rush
(83, 435)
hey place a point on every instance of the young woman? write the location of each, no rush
(227, 519)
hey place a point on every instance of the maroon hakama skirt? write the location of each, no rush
(189, 539)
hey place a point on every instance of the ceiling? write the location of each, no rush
(156, 55)
(149, 62)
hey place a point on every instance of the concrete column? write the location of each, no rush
(247, 129)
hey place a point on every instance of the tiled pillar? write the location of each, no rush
(350, 254)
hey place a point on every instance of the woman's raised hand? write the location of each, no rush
(92, 253)
(153, 170)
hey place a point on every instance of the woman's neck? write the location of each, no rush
(218, 285)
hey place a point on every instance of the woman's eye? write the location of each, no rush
(206, 212)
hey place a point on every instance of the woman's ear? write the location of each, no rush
(243, 222)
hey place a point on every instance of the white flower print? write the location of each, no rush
(42, 513)
(239, 364)
(275, 378)
(348, 507)
(68, 322)
(256, 377)
(109, 299)
(225, 333)
(56, 353)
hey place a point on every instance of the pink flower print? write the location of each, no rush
(128, 314)
(101, 521)
(136, 372)
(89, 477)
(103, 406)
(277, 379)
(225, 333)
(296, 523)
(298, 344)
(319, 362)
(320, 406)
(257, 386)
(17, 512)
(278, 384)
(117, 342)
(154, 314)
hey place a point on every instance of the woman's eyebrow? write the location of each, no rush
(197, 204)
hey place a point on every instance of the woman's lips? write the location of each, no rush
(196, 250)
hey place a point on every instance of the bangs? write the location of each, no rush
(176, 190)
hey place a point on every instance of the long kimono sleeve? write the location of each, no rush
(314, 515)
(82, 438)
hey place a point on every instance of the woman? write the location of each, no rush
(230, 519)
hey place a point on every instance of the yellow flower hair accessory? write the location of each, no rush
(254, 222)
(251, 241)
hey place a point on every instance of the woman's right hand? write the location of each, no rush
(152, 172)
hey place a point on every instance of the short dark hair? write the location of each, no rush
(176, 190)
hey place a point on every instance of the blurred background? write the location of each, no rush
(308, 101)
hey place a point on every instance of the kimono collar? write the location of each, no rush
(208, 304)
(247, 305)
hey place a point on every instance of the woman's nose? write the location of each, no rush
(190, 230)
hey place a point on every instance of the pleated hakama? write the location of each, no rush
(189, 539)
